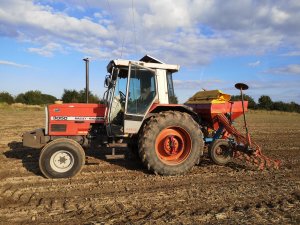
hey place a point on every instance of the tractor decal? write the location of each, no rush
(78, 118)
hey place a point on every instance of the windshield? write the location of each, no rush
(142, 90)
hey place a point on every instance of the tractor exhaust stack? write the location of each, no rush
(87, 60)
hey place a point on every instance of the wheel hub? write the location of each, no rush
(61, 161)
(173, 145)
(219, 151)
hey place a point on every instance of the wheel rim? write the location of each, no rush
(61, 161)
(173, 145)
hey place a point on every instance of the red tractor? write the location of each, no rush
(138, 110)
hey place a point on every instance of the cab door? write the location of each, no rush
(140, 95)
(116, 104)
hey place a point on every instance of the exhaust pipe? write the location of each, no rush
(86, 79)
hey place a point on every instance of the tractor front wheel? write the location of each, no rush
(171, 143)
(220, 152)
(61, 158)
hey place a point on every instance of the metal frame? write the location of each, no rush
(138, 123)
(127, 86)
(126, 63)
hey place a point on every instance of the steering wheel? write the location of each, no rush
(122, 96)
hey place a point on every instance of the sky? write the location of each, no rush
(217, 43)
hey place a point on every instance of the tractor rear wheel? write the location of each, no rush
(220, 152)
(171, 143)
(61, 158)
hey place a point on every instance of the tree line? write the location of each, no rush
(74, 96)
(266, 103)
(38, 98)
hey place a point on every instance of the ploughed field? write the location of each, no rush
(122, 191)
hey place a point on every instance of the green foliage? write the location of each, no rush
(251, 103)
(70, 96)
(78, 96)
(6, 97)
(92, 98)
(20, 98)
(286, 107)
(48, 99)
(35, 98)
(173, 99)
(294, 107)
(265, 102)
(280, 106)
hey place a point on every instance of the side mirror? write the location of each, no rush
(107, 81)
(115, 73)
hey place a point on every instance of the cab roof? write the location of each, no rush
(146, 61)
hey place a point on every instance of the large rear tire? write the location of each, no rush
(171, 143)
(61, 158)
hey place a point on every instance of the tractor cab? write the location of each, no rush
(133, 88)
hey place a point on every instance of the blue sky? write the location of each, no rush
(217, 43)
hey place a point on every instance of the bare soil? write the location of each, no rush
(122, 191)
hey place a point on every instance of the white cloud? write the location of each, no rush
(196, 84)
(292, 69)
(278, 90)
(42, 25)
(188, 32)
(47, 50)
(291, 53)
(175, 15)
(9, 63)
(254, 64)
(279, 16)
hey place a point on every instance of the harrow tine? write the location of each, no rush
(266, 162)
(262, 164)
(269, 163)
(255, 158)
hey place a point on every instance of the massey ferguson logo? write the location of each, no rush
(77, 118)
